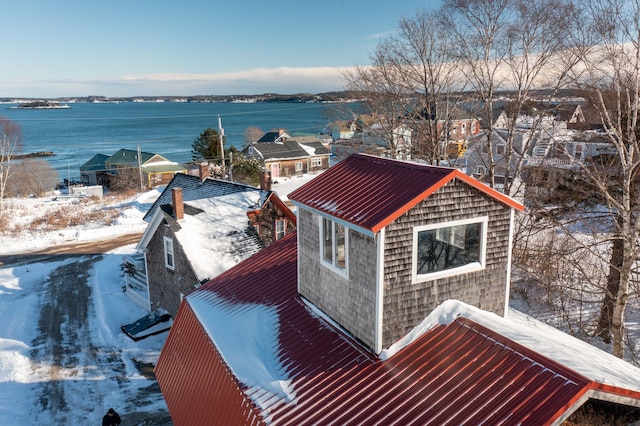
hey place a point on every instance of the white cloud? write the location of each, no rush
(253, 81)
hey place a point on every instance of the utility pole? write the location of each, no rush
(221, 139)
(140, 169)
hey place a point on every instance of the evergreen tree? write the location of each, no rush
(207, 146)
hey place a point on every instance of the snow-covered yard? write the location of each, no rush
(111, 371)
(101, 367)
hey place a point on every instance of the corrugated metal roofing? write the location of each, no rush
(371, 192)
(458, 373)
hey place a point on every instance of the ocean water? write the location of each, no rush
(76, 134)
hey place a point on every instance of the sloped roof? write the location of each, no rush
(297, 367)
(96, 163)
(286, 150)
(269, 137)
(129, 156)
(195, 189)
(314, 148)
(215, 233)
(371, 192)
(164, 167)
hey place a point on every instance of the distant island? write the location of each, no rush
(41, 105)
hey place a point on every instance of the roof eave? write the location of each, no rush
(369, 232)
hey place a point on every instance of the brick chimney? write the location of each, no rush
(265, 180)
(204, 171)
(178, 203)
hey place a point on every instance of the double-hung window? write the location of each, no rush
(169, 260)
(333, 244)
(281, 228)
(449, 248)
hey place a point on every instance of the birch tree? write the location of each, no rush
(10, 145)
(607, 74)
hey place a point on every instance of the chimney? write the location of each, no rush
(204, 171)
(265, 180)
(178, 204)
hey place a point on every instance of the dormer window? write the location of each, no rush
(334, 244)
(449, 248)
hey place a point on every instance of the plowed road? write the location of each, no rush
(50, 253)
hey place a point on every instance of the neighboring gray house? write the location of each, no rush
(381, 243)
(197, 230)
(289, 157)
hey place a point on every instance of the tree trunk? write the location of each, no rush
(613, 285)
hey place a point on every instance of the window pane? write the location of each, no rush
(446, 248)
(340, 251)
(327, 240)
(280, 229)
(168, 250)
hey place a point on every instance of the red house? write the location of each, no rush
(387, 306)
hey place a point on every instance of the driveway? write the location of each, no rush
(64, 345)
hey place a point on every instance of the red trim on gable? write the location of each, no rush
(412, 203)
(488, 190)
(435, 187)
(371, 192)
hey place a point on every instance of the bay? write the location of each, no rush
(76, 134)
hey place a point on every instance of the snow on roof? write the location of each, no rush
(572, 352)
(217, 238)
(248, 342)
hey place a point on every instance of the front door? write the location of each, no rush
(275, 170)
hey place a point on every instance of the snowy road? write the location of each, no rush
(68, 360)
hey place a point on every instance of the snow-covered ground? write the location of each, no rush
(22, 374)
(22, 377)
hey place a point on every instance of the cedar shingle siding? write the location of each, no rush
(164, 289)
(352, 302)
(407, 304)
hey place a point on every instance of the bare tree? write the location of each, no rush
(507, 45)
(10, 145)
(32, 177)
(606, 71)
(252, 134)
(411, 81)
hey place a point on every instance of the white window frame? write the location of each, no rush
(333, 263)
(278, 234)
(316, 162)
(298, 166)
(470, 267)
(169, 253)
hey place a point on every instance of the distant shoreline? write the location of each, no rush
(329, 97)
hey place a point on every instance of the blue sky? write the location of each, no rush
(136, 48)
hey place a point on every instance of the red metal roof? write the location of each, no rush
(458, 373)
(372, 192)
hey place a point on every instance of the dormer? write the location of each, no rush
(381, 243)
